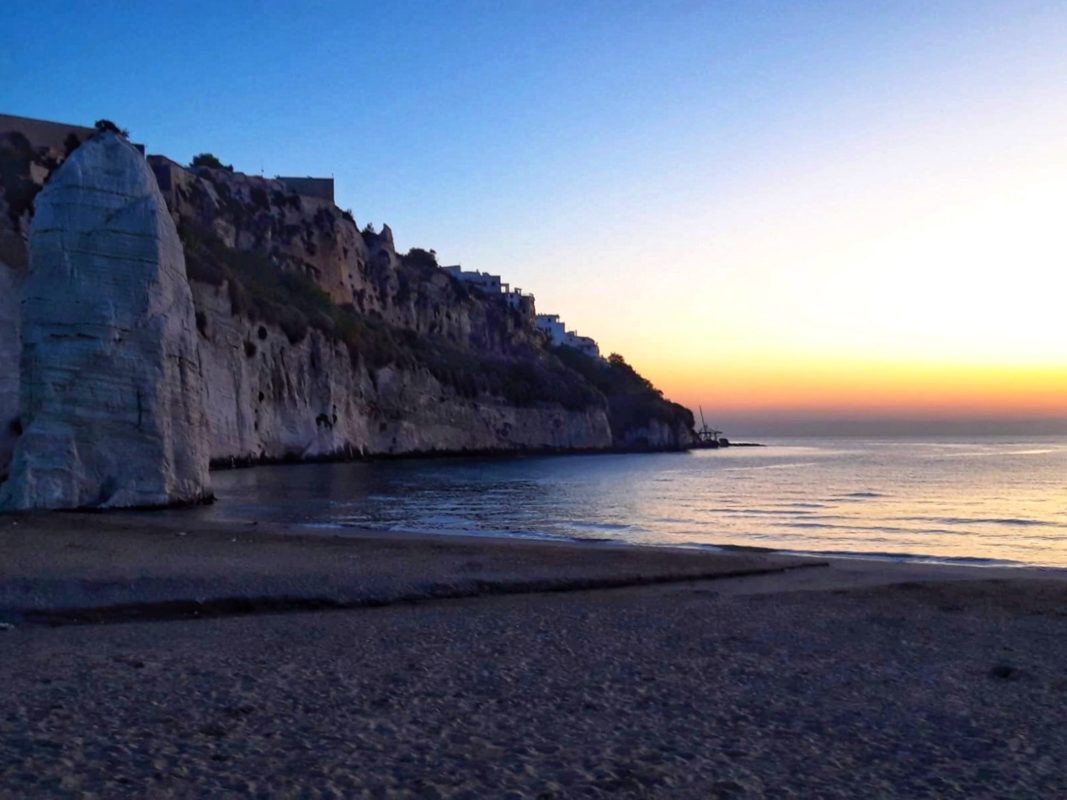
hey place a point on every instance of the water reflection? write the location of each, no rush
(930, 498)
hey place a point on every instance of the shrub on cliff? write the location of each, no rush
(632, 399)
(71, 143)
(258, 289)
(210, 161)
(102, 125)
(19, 190)
(417, 257)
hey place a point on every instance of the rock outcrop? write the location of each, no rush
(111, 399)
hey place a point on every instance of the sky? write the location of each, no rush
(810, 215)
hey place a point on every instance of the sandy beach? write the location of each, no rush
(145, 656)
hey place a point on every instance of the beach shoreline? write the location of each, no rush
(161, 655)
(56, 565)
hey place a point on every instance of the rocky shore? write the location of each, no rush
(451, 667)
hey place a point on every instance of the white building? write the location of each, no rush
(490, 284)
(583, 344)
(514, 297)
(550, 325)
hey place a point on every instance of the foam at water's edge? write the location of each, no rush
(867, 555)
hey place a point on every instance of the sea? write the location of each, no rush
(984, 501)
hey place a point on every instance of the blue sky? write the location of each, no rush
(618, 159)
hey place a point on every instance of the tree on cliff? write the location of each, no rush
(632, 399)
(625, 375)
(419, 257)
(102, 125)
(210, 161)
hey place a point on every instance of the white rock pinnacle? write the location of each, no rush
(111, 401)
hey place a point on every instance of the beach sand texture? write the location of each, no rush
(856, 679)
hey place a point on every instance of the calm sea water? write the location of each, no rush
(992, 501)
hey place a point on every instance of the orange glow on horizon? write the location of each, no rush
(870, 389)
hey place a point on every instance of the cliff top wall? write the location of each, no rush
(42, 133)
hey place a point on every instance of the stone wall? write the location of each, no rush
(43, 133)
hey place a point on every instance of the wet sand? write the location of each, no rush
(448, 667)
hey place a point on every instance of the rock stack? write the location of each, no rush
(111, 400)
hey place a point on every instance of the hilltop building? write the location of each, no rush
(583, 344)
(58, 136)
(491, 285)
(550, 325)
(553, 327)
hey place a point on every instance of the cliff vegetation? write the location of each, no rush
(632, 399)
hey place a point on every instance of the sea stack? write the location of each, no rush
(110, 398)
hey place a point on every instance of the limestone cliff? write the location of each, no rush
(111, 402)
(268, 398)
(238, 215)
(398, 313)
(312, 338)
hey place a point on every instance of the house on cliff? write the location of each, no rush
(493, 285)
(490, 284)
(556, 331)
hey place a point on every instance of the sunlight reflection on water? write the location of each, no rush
(992, 500)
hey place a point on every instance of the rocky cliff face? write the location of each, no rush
(111, 402)
(268, 398)
(312, 338)
(10, 346)
(311, 237)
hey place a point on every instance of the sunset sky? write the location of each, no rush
(792, 213)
